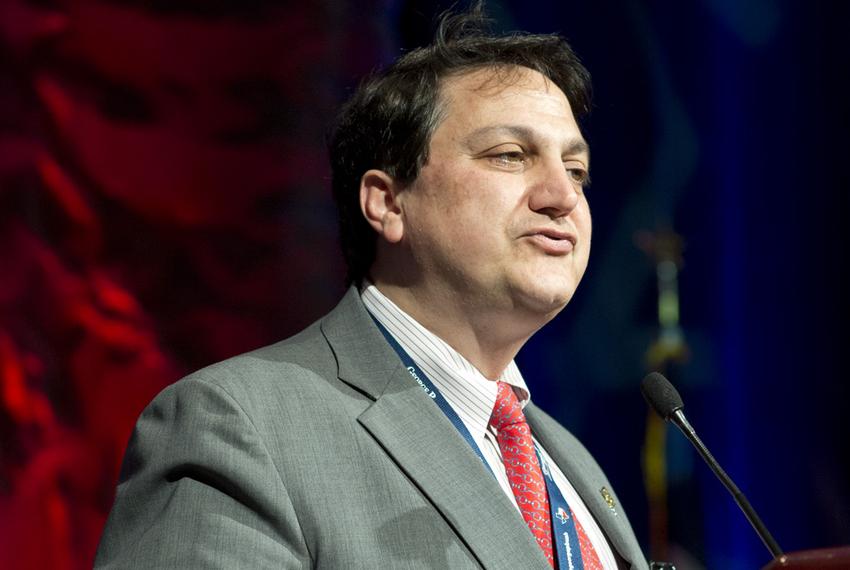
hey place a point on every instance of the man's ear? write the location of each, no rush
(380, 205)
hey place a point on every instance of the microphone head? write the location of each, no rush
(661, 395)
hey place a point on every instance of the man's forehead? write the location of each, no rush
(492, 88)
(464, 94)
(494, 79)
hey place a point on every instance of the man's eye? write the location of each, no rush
(513, 158)
(579, 176)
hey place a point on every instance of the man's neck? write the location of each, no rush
(488, 340)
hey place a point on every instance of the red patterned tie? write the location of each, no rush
(522, 467)
(526, 478)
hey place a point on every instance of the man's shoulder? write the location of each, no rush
(304, 365)
(304, 354)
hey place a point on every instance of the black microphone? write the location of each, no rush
(665, 400)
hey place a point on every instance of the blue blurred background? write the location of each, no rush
(726, 122)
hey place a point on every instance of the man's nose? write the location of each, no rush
(554, 192)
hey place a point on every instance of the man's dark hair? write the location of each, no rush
(388, 122)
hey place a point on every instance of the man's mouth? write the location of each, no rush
(552, 241)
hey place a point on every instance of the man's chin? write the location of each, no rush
(545, 301)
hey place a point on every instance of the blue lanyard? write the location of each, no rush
(564, 529)
(563, 525)
(417, 374)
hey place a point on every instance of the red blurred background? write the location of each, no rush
(162, 166)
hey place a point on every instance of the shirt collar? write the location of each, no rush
(463, 386)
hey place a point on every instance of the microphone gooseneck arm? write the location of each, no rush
(663, 397)
(678, 418)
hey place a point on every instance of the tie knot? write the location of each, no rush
(507, 410)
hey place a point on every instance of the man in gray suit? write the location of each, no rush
(370, 439)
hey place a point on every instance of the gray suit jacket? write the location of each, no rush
(320, 451)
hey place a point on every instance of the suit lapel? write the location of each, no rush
(426, 446)
(587, 479)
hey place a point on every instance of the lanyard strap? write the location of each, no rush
(428, 387)
(563, 526)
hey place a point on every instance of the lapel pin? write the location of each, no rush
(609, 500)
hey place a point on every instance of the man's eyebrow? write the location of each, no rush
(574, 146)
(577, 146)
(515, 130)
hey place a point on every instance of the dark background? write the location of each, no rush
(165, 203)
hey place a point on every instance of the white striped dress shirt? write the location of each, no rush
(472, 396)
